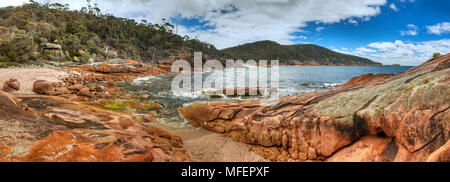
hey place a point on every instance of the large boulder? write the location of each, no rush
(43, 87)
(11, 85)
(50, 88)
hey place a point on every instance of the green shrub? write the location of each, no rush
(409, 87)
(425, 81)
(436, 55)
(47, 53)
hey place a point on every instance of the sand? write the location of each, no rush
(215, 148)
(27, 76)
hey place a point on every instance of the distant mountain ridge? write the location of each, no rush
(304, 54)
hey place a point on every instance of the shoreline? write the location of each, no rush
(360, 120)
(214, 140)
(200, 146)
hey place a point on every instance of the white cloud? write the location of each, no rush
(393, 7)
(412, 30)
(353, 21)
(440, 28)
(320, 29)
(245, 21)
(5, 3)
(400, 52)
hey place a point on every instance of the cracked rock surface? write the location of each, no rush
(35, 128)
(402, 117)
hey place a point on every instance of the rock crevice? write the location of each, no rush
(402, 117)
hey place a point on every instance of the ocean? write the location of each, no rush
(293, 80)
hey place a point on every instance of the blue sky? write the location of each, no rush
(386, 26)
(407, 32)
(405, 21)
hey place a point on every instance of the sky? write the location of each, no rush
(405, 32)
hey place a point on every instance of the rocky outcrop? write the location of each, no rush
(366, 79)
(47, 128)
(127, 68)
(404, 117)
(53, 51)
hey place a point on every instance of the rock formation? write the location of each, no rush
(48, 128)
(11, 85)
(404, 117)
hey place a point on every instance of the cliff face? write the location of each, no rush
(307, 54)
(404, 117)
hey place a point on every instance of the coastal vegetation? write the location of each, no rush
(35, 33)
(52, 33)
(294, 54)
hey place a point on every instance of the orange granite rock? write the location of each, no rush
(411, 108)
(57, 129)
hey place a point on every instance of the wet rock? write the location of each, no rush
(245, 91)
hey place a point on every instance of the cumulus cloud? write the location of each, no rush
(400, 52)
(440, 28)
(411, 31)
(320, 29)
(393, 7)
(233, 22)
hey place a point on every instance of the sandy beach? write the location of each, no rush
(27, 76)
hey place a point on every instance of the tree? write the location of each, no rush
(436, 55)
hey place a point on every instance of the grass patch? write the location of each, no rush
(114, 106)
(132, 106)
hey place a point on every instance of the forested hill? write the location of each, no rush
(36, 33)
(294, 54)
